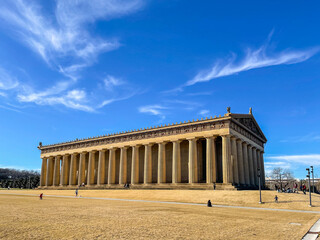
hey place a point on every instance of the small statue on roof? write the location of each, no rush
(40, 145)
(228, 109)
(250, 110)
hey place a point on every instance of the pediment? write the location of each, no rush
(248, 121)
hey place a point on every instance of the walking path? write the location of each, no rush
(313, 233)
(165, 202)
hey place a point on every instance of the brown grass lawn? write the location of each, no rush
(26, 217)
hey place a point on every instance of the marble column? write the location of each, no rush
(65, 170)
(161, 162)
(101, 167)
(176, 162)
(123, 166)
(73, 170)
(56, 173)
(245, 162)
(226, 160)
(82, 168)
(251, 172)
(240, 162)
(91, 167)
(112, 166)
(193, 163)
(235, 160)
(254, 160)
(50, 170)
(135, 165)
(43, 177)
(211, 161)
(147, 171)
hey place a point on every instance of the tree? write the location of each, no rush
(282, 176)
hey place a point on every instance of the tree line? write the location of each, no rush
(14, 178)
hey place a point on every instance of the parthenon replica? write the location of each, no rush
(224, 152)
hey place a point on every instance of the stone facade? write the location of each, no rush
(225, 150)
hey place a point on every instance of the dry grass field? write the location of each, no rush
(26, 217)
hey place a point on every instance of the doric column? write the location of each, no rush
(240, 162)
(254, 160)
(193, 164)
(251, 172)
(135, 165)
(226, 160)
(50, 170)
(235, 160)
(211, 161)
(43, 176)
(147, 171)
(161, 162)
(176, 162)
(65, 170)
(123, 166)
(112, 166)
(101, 167)
(91, 167)
(82, 168)
(262, 169)
(245, 162)
(73, 170)
(56, 172)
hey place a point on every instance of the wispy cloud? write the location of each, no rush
(311, 137)
(254, 58)
(204, 112)
(307, 159)
(156, 110)
(110, 82)
(65, 36)
(7, 81)
(62, 38)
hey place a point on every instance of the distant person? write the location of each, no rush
(214, 186)
(304, 189)
(209, 204)
(77, 192)
(8, 188)
(41, 195)
(295, 188)
(276, 199)
(301, 188)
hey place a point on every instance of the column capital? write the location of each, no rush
(210, 136)
(149, 144)
(177, 141)
(162, 142)
(245, 143)
(83, 152)
(102, 150)
(226, 135)
(192, 138)
(250, 146)
(93, 151)
(239, 140)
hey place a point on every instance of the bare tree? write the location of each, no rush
(282, 176)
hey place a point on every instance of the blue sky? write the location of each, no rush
(75, 69)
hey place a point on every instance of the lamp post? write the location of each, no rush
(308, 176)
(259, 177)
(312, 178)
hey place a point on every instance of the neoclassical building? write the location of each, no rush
(225, 150)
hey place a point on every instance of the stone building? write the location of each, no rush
(225, 150)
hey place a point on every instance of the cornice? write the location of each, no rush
(167, 130)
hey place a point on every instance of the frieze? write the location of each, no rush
(153, 133)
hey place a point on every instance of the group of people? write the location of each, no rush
(303, 189)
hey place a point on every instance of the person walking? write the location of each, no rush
(304, 189)
(77, 192)
(276, 199)
(209, 204)
(41, 194)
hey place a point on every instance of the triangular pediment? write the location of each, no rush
(248, 121)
